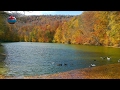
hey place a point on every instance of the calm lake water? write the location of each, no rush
(34, 58)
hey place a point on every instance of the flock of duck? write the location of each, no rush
(91, 65)
(108, 58)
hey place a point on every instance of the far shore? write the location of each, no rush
(110, 71)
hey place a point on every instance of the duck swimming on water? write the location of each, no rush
(92, 65)
(119, 60)
(108, 58)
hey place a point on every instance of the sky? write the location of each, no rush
(50, 12)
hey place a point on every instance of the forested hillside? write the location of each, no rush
(3, 25)
(34, 28)
(91, 27)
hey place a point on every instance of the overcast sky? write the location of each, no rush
(51, 12)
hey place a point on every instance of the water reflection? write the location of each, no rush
(26, 58)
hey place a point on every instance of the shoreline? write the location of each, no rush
(110, 71)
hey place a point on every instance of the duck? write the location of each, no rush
(102, 57)
(119, 60)
(65, 64)
(59, 64)
(108, 58)
(92, 65)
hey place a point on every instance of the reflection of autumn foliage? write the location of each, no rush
(91, 27)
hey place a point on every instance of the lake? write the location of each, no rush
(35, 58)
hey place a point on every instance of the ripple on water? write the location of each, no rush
(26, 58)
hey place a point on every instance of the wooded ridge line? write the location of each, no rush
(91, 28)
